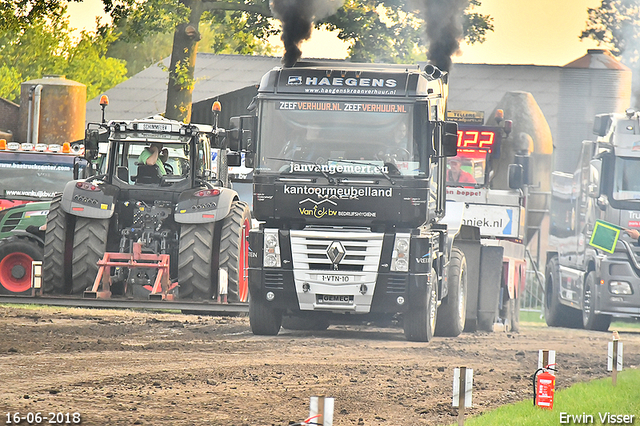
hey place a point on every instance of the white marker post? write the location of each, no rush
(547, 358)
(223, 285)
(614, 356)
(462, 391)
(323, 407)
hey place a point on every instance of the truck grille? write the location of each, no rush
(12, 221)
(396, 285)
(274, 281)
(361, 250)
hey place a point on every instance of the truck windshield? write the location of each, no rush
(34, 176)
(341, 137)
(626, 184)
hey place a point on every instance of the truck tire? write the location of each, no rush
(89, 245)
(56, 265)
(263, 319)
(591, 320)
(452, 313)
(234, 250)
(195, 261)
(421, 319)
(555, 313)
(16, 255)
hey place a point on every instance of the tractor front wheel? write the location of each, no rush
(16, 255)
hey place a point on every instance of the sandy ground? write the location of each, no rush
(148, 368)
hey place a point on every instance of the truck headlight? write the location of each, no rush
(400, 256)
(620, 287)
(271, 249)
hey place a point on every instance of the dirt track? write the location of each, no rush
(142, 368)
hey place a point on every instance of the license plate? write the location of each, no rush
(336, 278)
(334, 299)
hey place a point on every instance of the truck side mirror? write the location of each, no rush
(601, 124)
(593, 189)
(523, 161)
(234, 159)
(240, 133)
(450, 139)
(91, 139)
(515, 176)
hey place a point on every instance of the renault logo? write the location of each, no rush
(335, 252)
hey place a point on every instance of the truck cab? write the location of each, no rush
(586, 285)
(349, 185)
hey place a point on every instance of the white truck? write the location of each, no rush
(498, 215)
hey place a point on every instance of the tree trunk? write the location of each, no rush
(183, 61)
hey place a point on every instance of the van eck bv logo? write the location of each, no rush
(296, 80)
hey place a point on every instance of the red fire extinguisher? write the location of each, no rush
(545, 384)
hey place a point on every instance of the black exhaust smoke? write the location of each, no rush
(297, 18)
(444, 29)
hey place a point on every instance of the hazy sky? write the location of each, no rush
(540, 32)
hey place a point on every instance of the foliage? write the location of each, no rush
(46, 47)
(616, 23)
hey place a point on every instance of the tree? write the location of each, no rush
(616, 24)
(44, 45)
(379, 30)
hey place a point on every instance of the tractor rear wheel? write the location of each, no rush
(16, 255)
(56, 265)
(89, 245)
(195, 262)
(234, 250)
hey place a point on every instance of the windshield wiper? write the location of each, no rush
(318, 166)
(364, 163)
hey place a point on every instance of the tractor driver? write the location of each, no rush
(455, 174)
(155, 154)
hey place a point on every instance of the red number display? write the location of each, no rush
(476, 139)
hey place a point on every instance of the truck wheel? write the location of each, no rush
(292, 322)
(16, 255)
(195, 262)
(452, 313)
(56, 265)
(591, 320)
(555, 313)
(234, 250)
(89, 245)
(264, 320)
(420, 319)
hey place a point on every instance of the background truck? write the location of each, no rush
(499, 217)
(586, 286)
(349, 166)
(38, 156)
(149, 235)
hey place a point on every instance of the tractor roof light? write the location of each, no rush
(104, 100)
(3, 144)
(66, 147)
(216, 106)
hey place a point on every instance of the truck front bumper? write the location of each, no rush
(618, 291)
(354, 293)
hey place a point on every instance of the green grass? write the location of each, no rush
(535, 318)
(592, 398)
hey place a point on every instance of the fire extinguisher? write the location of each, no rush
(544, 384)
